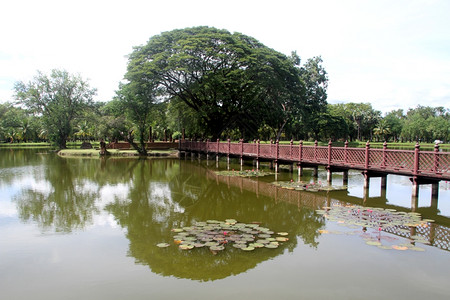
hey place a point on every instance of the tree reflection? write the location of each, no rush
(156, 204)
(62, 201)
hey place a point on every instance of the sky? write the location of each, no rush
(392, 54)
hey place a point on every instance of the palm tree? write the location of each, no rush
(382, 129)
(83, 130)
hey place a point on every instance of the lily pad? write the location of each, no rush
(163, 245)
(248, 248)
(186, 246)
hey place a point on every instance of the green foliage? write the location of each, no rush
(427, 124)
(229, 80)
(59, 98)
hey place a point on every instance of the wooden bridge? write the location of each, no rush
(423, 167)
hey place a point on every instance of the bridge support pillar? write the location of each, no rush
(414, 203)
(345, 178)
(329, 176)
(257, 164)
(435, 190)
(316, 172)
(300, 171)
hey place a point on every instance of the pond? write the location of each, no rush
(88, 228)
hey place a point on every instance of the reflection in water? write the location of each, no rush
(152, 209)
(150, 197)
(61, 200)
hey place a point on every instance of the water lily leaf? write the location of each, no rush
(248, 248)
(186, 246)
(177, 230)
(271, 246)
(256, 245)
(210, 244)
(283, 233)
(163, 245)
(281, 239)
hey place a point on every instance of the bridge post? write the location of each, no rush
(366, 167)
(217, 153)
(329, 172)
(435, 190)
(299, 164)
(277, 149)
(415, 180)
(290, 149)
(207, 149)
(383, 165)
(316, 172)
(257, 154)
(416, 159)
(383, 186)
(436, 158)
(241, 141)
(345, 152)
(345, 177)
(228, 154)
(315, 150)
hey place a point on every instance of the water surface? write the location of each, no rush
(87, 228)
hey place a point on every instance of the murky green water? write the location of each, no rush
(73, 228)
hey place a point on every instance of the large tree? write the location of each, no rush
(59, 97)
(230, 80)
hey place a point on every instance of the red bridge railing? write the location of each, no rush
(430, 164)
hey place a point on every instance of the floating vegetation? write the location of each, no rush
(244, 173)
(308, 186)
(373, 221)
(217, 235)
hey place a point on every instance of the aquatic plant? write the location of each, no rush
(217, 235)
(308, 186)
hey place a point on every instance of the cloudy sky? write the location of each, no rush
(393, 54)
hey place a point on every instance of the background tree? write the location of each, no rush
(230, 80)
(382, 129)
(315, 79)
(137, 97)
(59, 97)
(395, 120)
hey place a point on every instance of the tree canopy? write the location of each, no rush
(232, 81)
(59, 97)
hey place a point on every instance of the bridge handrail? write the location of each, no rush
(415, 162)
